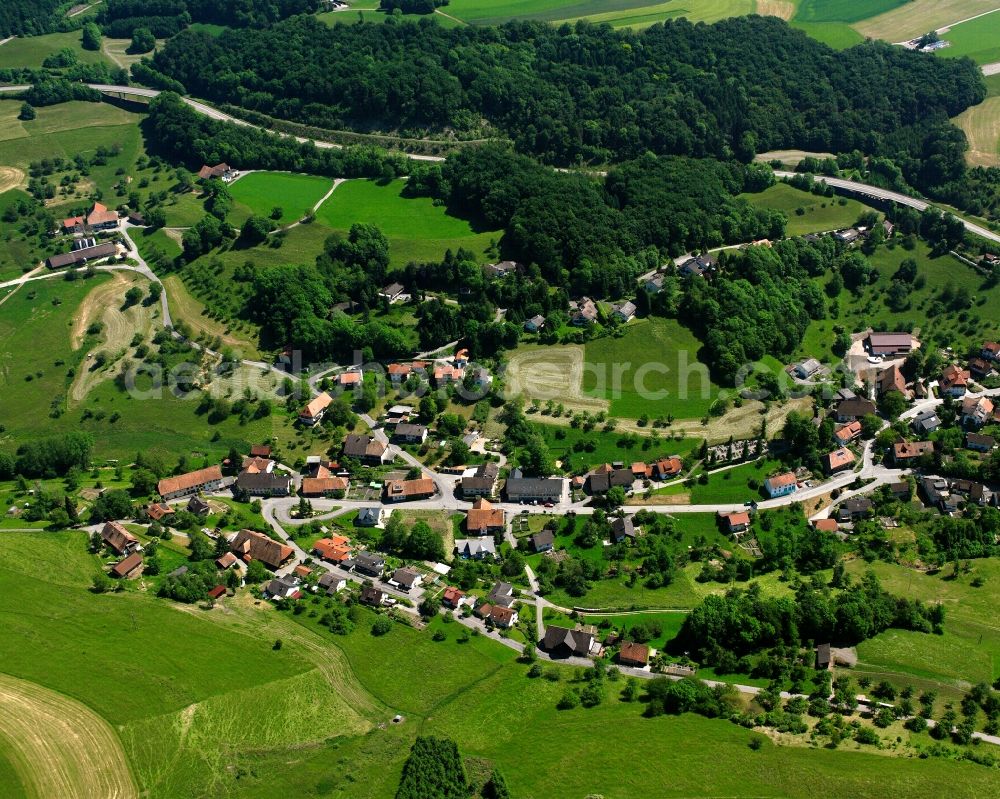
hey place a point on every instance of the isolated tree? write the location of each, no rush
(143, 41)
(133, 296)
(255, 230)
(91, 37)
(27, 112)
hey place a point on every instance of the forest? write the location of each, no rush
(120, 18)
(586, 93)
(28, 17)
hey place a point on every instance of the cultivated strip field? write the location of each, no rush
(59, 747)
(554, 373)
(981, 124)
(921, 16)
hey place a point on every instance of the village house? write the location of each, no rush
(409, 490)
(226, 561)
(249, 545)
(484, 519)
(372, 516)
(925, 422)
(533, 489)
(392, 292)
(623, 312)
(446, 373)
(891, 379)
(781, 485)
(184, 485)
(665, 468)
(158, 510)
(82, 255)
(482, 483)
(502, 269)
(894, 345)
(847, 433)
(654, 285)
(542, 541)
(561, 642)
(605, 477)
(399, 372)
(623, 528)
(954, 381)
(826, 525)
(352, 378)
(582, 312)
(502, 594)
(991, 351)
(332, 583)
(324, 486)
(904, 451)
(854, 508)
(370, 595)
(198, 506)
(979, 442)
(260, 451)
(535, 324)
(454, 598)
(118, 539)
(312, 413)
(366, 448)
(406, 579)
(222, 172)
(634, 655)
(847, 235)
(977, 411)
(475, 548)
(410, 433)
(698, 266)
(938, 495)
(282, 588)
(980, 368)
(502, 617)
(838, 460)
(369, 563)
(735, 522)
(128, 568)
(334, 548)
(856, 408)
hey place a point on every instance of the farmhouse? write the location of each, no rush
(392, 292)
(409, 490)
(312, 414)
(82, 255)
(222, 172)
(475, 548)
(634, 655)
(264, 484)
(158, 510)
(119, 539)
(891, 379)
(846, 433)
(582, 312)
(891, 344)
(666, 468)
(533, 489)
(260, 451)
(218, 592)
(184, 485)
(483, 482)
(699, 266)
(849, 410)
(226, 561)
(561, 642)
(780, 485)
(847, 236)
(250, 545)
(838, 460)
(603, 478)
(129, 568)
(655, 284)
(735, 522)
(323, 486)
(484, 519)
(100, 217)
(366, 448)
(542, 541)
(502, 269)
(904, 451)
(977, 411)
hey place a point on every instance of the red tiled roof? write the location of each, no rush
(183, 482)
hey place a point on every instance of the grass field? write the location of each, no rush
(979, 39)
(184, 307)
(31, 51)
(417, 229)
(820, 213)
(657, 358)
(260, 192)
(981, 124)
(732, 484)
(595, 447)
(843, 10)
(645, 15)
(912, 19)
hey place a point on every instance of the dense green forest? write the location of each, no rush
(120, 18)
(28, 17)
(587, 92)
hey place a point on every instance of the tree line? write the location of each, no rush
(164, 18)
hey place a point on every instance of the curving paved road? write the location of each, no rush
(864, 190)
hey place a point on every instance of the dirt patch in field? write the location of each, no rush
(661, 499)
(556, 374)
(58, 746)
(10, 178)
(783, 9)
(104, 304)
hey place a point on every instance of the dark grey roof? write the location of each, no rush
(263, 481)
(545, 538)
(81, 256)
(405, 430)
(367, 560)
(534, 487)
(622, 528)
(562, 641)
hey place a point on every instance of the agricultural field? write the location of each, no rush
(417, 229)
(819, 214)
(981, 124)
(979, 39)
(260, 193)
(858, 312)
(650, 13)
(915, 18)
(576, 448)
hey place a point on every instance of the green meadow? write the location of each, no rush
(261, 192)
(843, 10)
(31, 51)
(655, 357)
(576, 448)
(417, 229)
(979, 39)
(819, 214)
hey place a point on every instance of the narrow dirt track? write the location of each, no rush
(59, 747)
